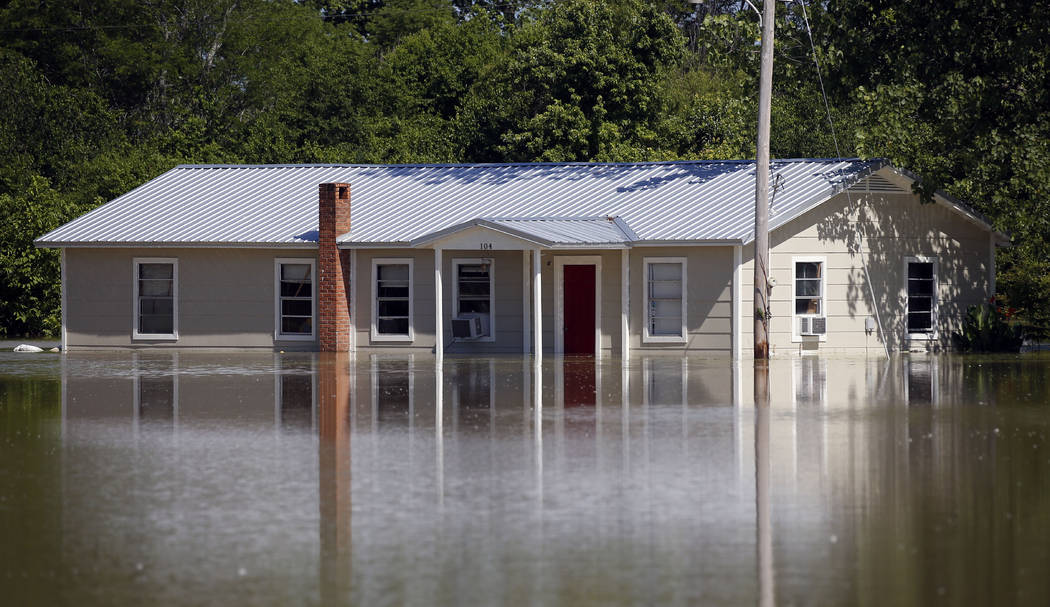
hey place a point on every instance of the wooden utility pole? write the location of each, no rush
(765, 96)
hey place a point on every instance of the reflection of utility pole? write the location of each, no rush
(765, 95)
(763, 509)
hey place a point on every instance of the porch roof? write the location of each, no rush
(549, 232)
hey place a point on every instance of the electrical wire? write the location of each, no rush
(849, 199)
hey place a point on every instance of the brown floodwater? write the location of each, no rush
(275, 479)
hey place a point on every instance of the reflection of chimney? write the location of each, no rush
(333, 220)
(333, 474)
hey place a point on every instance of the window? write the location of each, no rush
(921, 279)
(392, 300)
(295, 305)
(808, 289)
(665, 303)
(156, 298)
(473, 289)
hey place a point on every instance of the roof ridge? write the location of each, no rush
(510, 164)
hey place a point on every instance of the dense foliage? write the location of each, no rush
(988, 328)
(98, 97)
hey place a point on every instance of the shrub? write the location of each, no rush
(987, 328)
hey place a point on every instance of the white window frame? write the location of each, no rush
(396, 261)
(456, 262)
(796, 336)
(277, 334)
(666, 339)
(932, 334)
(174, 335)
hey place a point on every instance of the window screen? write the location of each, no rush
(921, 289)
(156, 298)
(665, 299)
(392, 299)
(297, 299)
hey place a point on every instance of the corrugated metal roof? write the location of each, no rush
(275, 205)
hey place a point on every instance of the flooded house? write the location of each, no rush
(598, 259)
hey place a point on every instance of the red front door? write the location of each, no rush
(578, 304)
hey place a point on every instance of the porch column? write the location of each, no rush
(526, 317)
(737, 308)
(537, 318)
(625, 305)
(439, 322)
(354, 278)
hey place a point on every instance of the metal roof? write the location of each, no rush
(276, 205)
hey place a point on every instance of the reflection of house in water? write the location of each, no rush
(666, 381)
(156, 392)
(392, 389)
(295, 392)
(473, 383)
(578, 382)
(920, 380)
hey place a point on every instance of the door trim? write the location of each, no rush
(559, 299)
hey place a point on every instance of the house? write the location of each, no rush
(574, 258)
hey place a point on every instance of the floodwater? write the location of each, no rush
(276, 479)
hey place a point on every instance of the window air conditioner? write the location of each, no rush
(813, 325)
(468, 326)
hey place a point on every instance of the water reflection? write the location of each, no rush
(402, 479)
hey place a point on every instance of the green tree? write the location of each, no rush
(959, 94)
(586, 79)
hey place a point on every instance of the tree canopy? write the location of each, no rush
(96, 98)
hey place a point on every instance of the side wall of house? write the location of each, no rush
(226, 297)
(865, 239)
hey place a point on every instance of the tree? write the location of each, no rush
(960, 94)
(585, 77)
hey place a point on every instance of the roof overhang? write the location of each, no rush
(44, 244)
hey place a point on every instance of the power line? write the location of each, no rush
(820, 79)
(860, 225)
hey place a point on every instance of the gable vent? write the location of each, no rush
(876, 183)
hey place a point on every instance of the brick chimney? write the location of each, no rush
(333, 310)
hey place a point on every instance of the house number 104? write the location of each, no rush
(486, 246)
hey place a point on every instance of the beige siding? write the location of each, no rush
(226, 297)
(709, 283)
(422, 298)
(875, 232)
(507, 296)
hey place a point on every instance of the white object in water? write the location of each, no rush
(27, 348)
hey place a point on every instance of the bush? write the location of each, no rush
(987, 328)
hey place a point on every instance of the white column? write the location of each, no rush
(738, 305)
(439, 321)
(526, 316)
(625, 305)
(64, 300)
(537, 308)
(353, 301)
